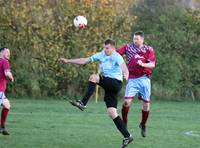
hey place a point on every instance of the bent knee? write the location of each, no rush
(146, 106)
(94, 78)
(127, 102)
(6, 103)
(112, 112)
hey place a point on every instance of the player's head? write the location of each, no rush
(109, 46)
(5, 53)
(138, 38)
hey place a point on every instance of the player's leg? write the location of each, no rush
(112, 88)
(125, 109)
(93, 80)
(4, 113)
(145, 113)
(144, 117)
(112, 113)
(81, 104)
(131, 90)
(145, 93)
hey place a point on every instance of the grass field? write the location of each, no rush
(56, 124)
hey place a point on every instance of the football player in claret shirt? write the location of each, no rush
(5, 73)
(141, 61)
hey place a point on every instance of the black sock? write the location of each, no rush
(121, 126)
(90, 90)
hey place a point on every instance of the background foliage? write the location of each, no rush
(39, 32)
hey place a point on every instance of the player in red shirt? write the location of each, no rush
(5, 74)
(141, 61)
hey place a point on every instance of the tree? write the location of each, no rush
(39, 32)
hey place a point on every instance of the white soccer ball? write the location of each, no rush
(80, 22)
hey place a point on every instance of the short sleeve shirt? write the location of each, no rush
(110, 66)
(133, 54)
(4, 66)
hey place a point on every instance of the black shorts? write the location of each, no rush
(111, 87)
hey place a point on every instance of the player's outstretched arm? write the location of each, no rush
(125, 71)
(79, 61)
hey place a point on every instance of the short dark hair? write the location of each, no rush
(3, 48)
(110, 41)
(140, 33)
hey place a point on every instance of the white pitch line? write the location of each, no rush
(193, 133)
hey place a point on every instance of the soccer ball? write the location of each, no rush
(80, 22)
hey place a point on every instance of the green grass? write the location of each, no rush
(56, 124)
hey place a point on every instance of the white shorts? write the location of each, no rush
(2, 97)
(141, 85)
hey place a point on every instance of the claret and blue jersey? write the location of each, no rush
(133, 54)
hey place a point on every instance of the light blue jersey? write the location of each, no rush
(110, 66)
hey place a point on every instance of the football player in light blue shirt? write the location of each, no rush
(110, 65)
(112, 68)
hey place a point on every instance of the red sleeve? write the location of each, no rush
(151, 57)
(122, 50)
(6, 65)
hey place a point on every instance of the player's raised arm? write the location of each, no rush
(146, 65)
(122, 50)
(79, 61)
(151, 60)
(125, 71)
